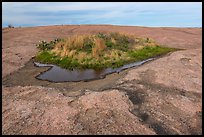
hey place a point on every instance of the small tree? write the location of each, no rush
(10, 26)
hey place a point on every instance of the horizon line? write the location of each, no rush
(102, 25)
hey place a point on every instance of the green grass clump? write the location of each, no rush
(148, 52)
(98, 51)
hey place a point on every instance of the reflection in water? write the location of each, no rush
(57, 74)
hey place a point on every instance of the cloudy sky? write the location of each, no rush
(154, 14)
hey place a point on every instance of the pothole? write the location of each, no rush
(58, 74)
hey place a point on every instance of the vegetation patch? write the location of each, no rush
(98, 51)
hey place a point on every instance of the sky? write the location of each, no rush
(150, 14)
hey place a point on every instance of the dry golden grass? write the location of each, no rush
(137, 47)
(151, 44)
(98, 48)
(63, 53)
(113, 40)
(71, 53)
(100, 44)
(70, 46)
(81, 55)
(95, 53)
(77, 41)
(58, 48)
(112, 54)
(129, 35)
(67, 48)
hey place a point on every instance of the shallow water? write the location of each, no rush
(57, 74)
